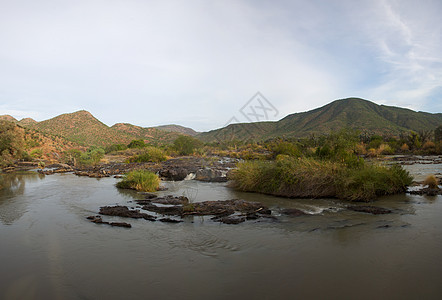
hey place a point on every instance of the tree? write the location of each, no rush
(186, 145)
(438, 134)
(137, 144)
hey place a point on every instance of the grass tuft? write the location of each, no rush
(140, 180)
(431, 181)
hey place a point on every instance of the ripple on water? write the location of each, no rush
(203, 242)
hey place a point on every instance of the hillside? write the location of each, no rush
(22, 122)
(22, 143)
(352, 113)
(27, 122)
(149, 135)
(8, 118)
(178, 129)
(83, 128)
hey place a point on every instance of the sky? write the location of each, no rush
(199, 63)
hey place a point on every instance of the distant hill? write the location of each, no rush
(8, 118)
(352, 113)
(150, 135)
(178, 129)
(83, 128)
(27, 122)
(23, 122)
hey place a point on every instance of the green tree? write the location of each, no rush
(137, 144)
(186, 145)
(438, 134)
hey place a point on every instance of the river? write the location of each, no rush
(49, 250)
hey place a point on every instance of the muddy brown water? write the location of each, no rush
(48, 250)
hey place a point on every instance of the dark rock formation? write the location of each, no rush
(293, 212)
(99, 220)
(210, 175)
(369, 209)
(123, 211)
(427, 192)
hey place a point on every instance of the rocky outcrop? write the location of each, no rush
(176, 208)
(426, 191)
(123, 211)
(211, 175)
(99, 220)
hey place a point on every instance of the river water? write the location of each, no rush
(48, 250)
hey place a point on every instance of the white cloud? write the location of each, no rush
(412, 55)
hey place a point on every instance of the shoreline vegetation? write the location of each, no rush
(309, 178)
(332, 169)
(345, 164)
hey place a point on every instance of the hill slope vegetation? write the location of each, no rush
(354, 113)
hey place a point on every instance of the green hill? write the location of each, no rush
(26, 122)
(178, 129)
(352, 113)
(83, 128)
(8, 118)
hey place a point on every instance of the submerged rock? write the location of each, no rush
(99, 220)
(293, 212)
(230, 219)
(369, 209)
(180, 207)
(123, 211)
(169, 220)
(427, 192)
(228, 211)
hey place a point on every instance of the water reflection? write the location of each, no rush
(12, 187)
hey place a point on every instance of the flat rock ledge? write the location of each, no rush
(174, 209)
(228, 211)
(426, 191)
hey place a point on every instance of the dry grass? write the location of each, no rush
(431, 181)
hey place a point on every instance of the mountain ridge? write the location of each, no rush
(354, 113)
(84, 129)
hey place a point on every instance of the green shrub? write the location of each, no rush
(309, 177)
(285, 148)
(37, 153)
(137, 144)
(71, 156)
(88, 158)
(186, 145)
(140, 180)
(150, 154)
(114, 148)
(26, 157)
(373, 181)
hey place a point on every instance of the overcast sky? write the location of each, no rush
(196, 63)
